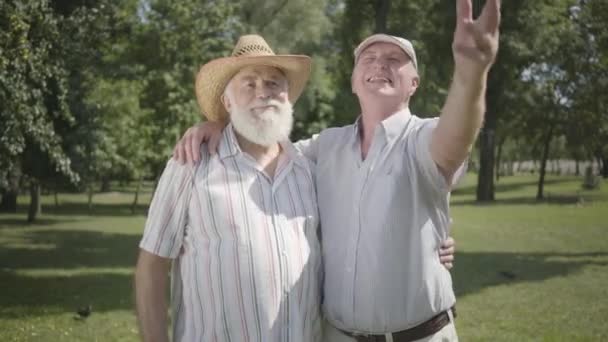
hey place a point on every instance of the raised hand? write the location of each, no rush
(187, 148)
(475, 41)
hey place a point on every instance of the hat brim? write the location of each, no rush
(212, 78)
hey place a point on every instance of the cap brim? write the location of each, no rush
(384, 38)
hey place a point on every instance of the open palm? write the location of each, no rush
(475, 41)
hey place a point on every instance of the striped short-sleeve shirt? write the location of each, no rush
(245, 246)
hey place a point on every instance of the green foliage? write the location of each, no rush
(96, 89)
(170, 43)
(588, 68)
(33, 86)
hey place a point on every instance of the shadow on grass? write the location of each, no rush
(35, 295)
(476, 271)
(65, 249)
(32, 295)
(527, 200)
(509, 185)
(82, 209)
(25, 296)
(17, 221)
(98, 209)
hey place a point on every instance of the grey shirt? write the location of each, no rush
(382, 222)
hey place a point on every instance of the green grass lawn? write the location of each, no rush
(524, 271)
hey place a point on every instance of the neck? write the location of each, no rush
(267, 157)
(374, 112)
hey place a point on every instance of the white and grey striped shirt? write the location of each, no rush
(382, 221)
(247, 256)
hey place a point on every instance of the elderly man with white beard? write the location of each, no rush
(240, 228)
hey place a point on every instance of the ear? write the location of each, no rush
(226, 102)
(415, 83)
(352, 82)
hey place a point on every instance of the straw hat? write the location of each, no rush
(250, 50)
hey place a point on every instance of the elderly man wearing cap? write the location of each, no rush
(383, 187)
(241, 227)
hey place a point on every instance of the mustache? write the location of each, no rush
(262, 103)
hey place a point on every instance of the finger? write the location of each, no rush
(464, 11)
(446, 251)
(214, 142)
(446, 258)
(194, 147)
(186, 146)
(449, 242)
(177, 153)
(481, 38)
(490, 16)
(448, 265)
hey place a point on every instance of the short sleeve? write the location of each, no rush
(167, 216)
(421, 150)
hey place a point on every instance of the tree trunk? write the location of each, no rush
(9, 195)
(382, 9)
(487, 136)
(485, 181)
(138, 187)
(35, 208)
(543, 164)
(9, 202)
(604, 166)
(105, 184)
(577, 168)
(497, 168)
(56, 195)
(90, 198)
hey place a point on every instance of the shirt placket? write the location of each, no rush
(281, 255)
(363, 171)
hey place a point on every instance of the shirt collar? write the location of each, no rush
(392, 126)
(395, 124)
(229, 147)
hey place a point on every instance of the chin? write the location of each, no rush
(382, 92)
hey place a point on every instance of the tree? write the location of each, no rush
(33, 90)
(171, 41)
(590, 74)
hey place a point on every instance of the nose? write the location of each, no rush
(380, 63)
(262, 92)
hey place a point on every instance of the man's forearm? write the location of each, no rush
(151, 301)
(460, 121)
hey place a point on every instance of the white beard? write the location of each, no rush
(266, 128)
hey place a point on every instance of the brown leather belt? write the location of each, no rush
(420, 331)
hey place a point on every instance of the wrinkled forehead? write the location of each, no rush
(385, 49)
(259, 71)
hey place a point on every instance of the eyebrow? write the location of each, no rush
(250, 76)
